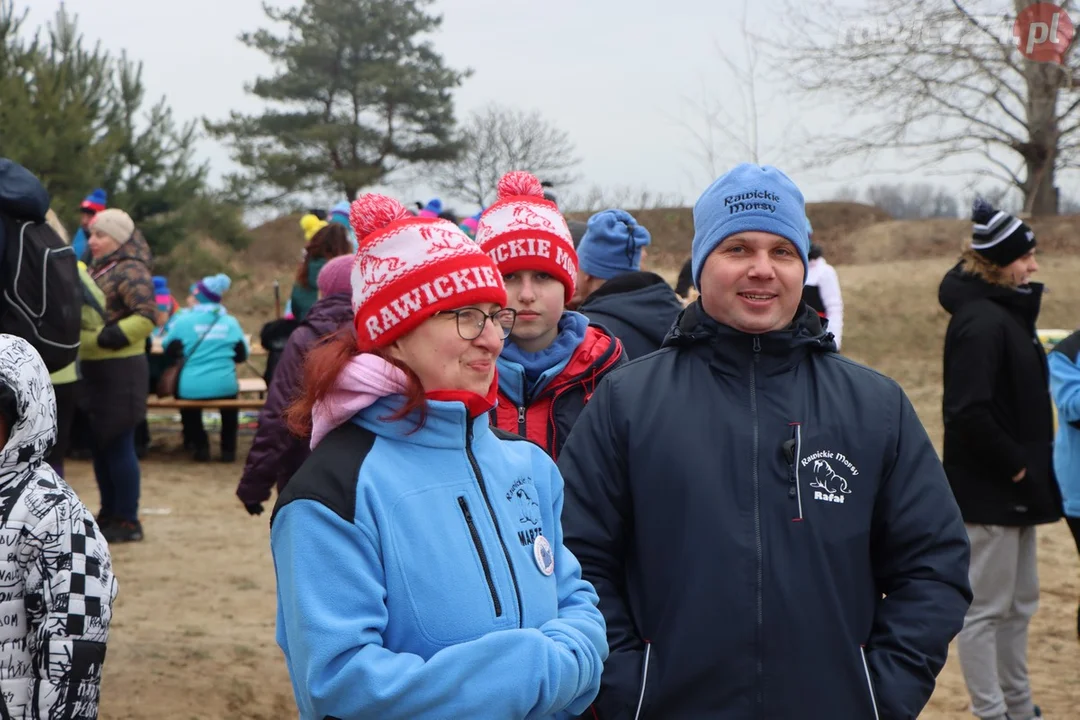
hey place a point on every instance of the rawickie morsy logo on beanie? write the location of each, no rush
(753, 200)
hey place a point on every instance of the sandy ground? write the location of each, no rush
(193, 636)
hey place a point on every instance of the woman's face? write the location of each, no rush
(101, 244)
(436, 352)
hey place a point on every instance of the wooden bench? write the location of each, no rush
(248, 386)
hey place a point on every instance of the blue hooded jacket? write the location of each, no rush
(768, 528)
(412, 575)
(1065, 387)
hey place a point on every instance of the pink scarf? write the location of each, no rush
(363, 381)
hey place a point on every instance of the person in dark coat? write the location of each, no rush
(276, 454)
(116, 375)
(638, 307)
(998, 451)
(766, 522)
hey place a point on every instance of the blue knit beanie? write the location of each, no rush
(211, 288)
(748, 198)
(95, 202)
(612, 244)
(340, 213)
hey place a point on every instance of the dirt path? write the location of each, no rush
(193, 637)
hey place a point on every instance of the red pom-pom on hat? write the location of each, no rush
(372, 212)
(519, 182)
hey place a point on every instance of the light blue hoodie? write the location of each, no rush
(211, 371)
(1065, 388)
(430, 600)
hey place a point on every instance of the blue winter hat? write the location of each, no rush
(161, 284)
(748, 198)
(612, 244)
(211, 288)
(95, 202)
(340, 213)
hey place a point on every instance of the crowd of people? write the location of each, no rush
(520, 475)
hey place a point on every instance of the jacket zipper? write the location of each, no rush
(491, 512)
(644, 680)
(757, 531)
(521, 421)
(464, 505)
(869, 681)
(798, 454)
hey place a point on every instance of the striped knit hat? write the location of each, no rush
(523, 231)
(998, 236)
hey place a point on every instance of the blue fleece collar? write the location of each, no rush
(524, 374)
(444, 427)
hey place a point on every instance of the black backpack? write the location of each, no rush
(274, 336)
(40, 290)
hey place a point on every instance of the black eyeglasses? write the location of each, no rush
(471, 320)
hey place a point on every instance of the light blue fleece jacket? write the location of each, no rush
(1065, 388)
(211, 372)
(391, 614)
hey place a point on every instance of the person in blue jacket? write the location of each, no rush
(211, 343)
(420, 566)
(1064, 362)
(766, 522)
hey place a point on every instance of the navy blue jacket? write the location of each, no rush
(768, 528)
(639, 308)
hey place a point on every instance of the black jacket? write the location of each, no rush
(639, 308)
(996, 405)
(742, 504)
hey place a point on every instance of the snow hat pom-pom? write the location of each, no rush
(372, 212)
(519, 182)
(982, 211)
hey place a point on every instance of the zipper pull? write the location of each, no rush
(521, 414)
(757, 344)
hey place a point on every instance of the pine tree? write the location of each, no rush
(358, 94)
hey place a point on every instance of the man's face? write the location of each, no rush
(85, 217)
(753, 282)
(1020, 270)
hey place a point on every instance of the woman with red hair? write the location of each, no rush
(419, 554)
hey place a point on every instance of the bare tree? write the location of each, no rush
(498, 139)
(727, 128)
(906, 202)
(938, 80)
(624, 197)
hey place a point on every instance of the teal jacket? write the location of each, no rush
(210, 372)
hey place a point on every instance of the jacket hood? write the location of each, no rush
(958, 288)
(22, 195)
(23, 370)
(329, 313)
(780, 348)
(641, 299)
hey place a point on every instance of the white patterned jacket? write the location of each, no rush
(56, 581)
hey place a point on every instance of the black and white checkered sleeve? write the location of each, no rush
(70, 591)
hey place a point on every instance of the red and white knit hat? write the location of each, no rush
(523, 231)
(409, 268)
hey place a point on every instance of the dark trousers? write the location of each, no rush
(195, 432)
(66, 398)
(116, 469)
(1074, 525)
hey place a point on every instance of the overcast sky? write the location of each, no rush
(620, 76)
